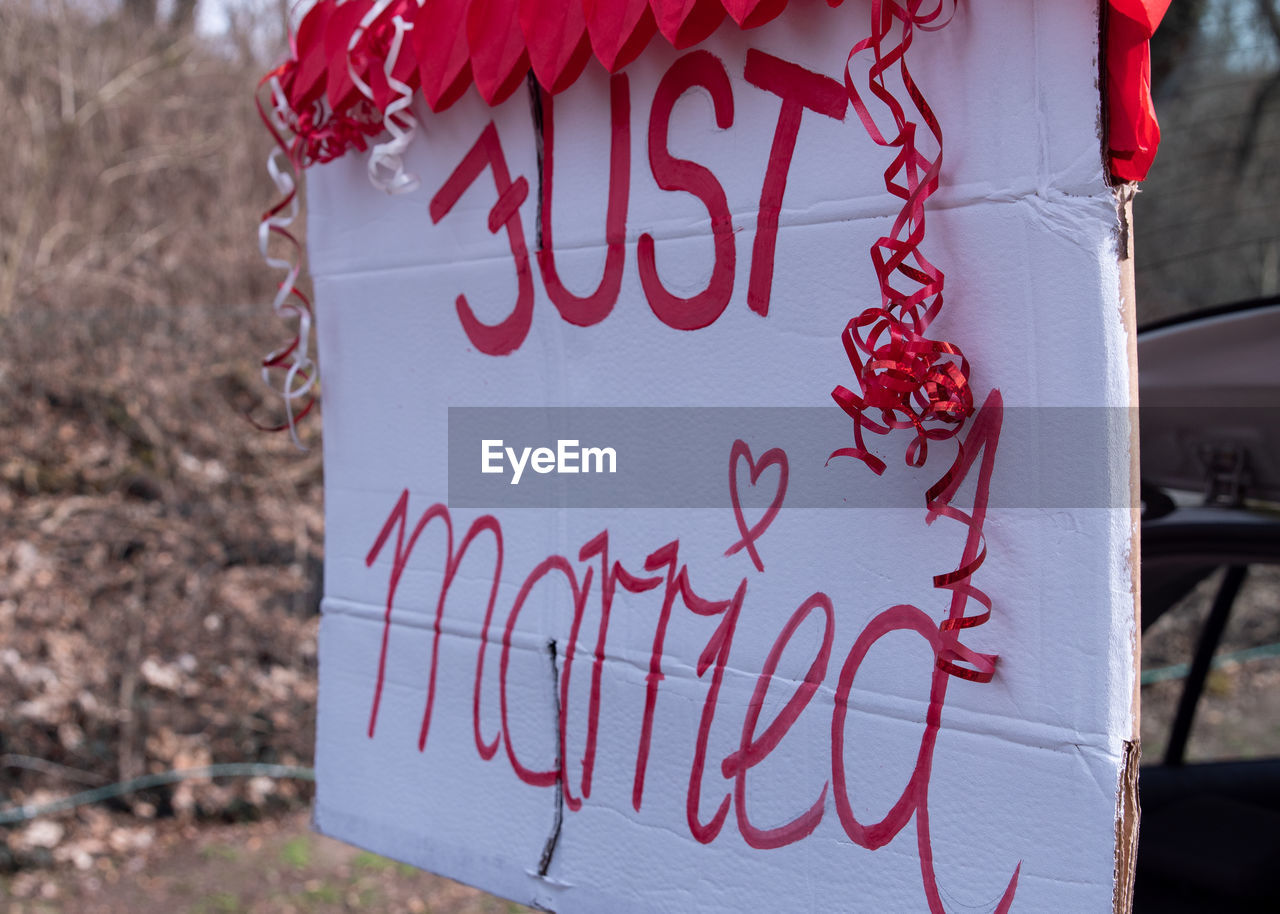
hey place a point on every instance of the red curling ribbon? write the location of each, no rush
(318, 133)
(439, 39)
(555, 33)
(619, 30)
(905, 379)
(290, 302)
(299, 380)
(282, 359)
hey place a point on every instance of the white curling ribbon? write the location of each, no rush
(284, 183)
(300, 364)
(374, 12)
(386, 160)
(322, 113)
(279, 106)
(386, 165)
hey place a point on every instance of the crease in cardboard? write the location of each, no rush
(1064, 214)
(1023, 732)
(862, 209)
(1087, 756)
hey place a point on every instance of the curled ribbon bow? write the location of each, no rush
(906, 379)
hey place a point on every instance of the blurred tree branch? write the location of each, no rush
(133, 158)
(1248, 141)
(184, 15)
(142, 12)
(1172, 40)
(146, 13)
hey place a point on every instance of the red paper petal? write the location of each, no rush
(555, 32)
(1133, 133)
(440, 43)
(499, 60)
(751, 13)
(686, 22)
(619, 30)
(342, 23)
(383, 94)
(313, 62)
(1146, 13)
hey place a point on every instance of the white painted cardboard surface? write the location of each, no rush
(1025, 769)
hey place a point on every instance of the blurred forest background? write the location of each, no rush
(1205, 230)
(159, 558)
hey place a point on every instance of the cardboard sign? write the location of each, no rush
(770, 684)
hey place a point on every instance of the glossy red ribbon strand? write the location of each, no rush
(906, 380)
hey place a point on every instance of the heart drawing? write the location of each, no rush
(769, 458)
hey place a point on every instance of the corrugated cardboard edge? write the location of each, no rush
(1128, 808)
(1128, 811)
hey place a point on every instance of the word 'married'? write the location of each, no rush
(594, 575)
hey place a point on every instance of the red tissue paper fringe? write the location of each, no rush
(1132, 130)
(340, 49)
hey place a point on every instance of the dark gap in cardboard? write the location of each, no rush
(549, 848)
(1104, 112)
(535, 111)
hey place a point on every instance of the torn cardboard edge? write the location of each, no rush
(1128, 807)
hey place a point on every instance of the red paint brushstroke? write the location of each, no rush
(799, 89)
(505, 336)
(586, 310)
(701, 69)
